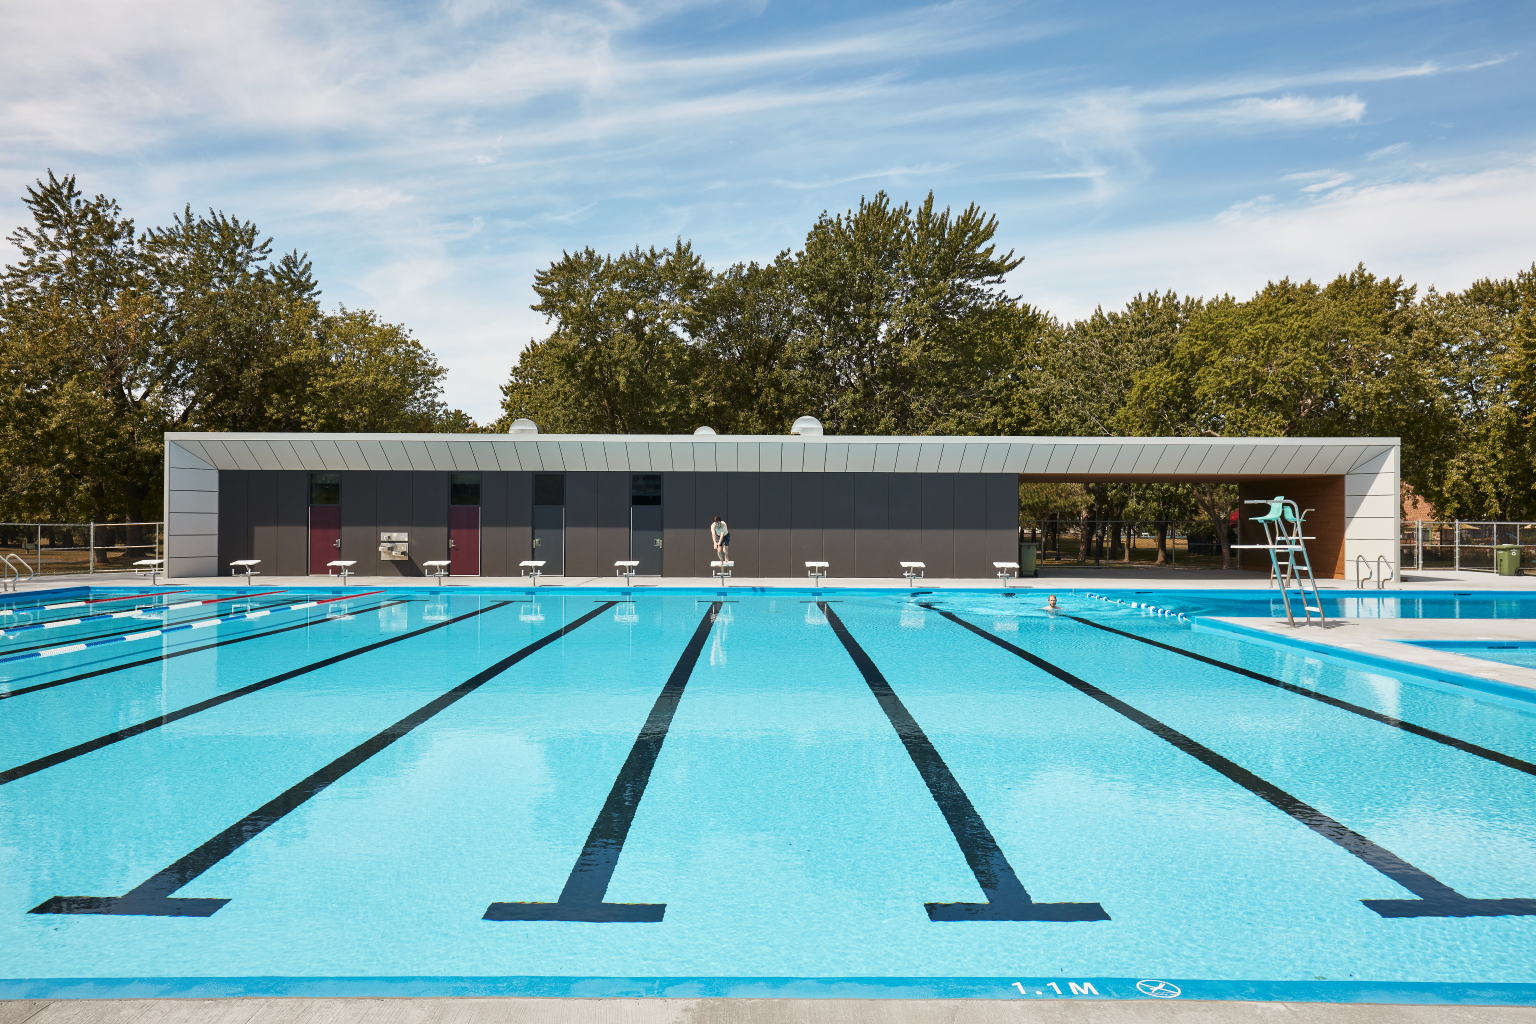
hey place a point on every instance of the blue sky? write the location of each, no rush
(431, 157)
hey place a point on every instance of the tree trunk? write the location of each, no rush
(1085, 540)
(1219, 521)
(1162, 542)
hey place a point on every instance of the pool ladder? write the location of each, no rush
(1382, 574)
(1290, 565)
(10, 575)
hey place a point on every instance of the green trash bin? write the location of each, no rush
(1506, 559)
(1028, 565)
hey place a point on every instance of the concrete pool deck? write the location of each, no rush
(1067, 578)
(732, 1011)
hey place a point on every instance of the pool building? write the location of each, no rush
(581, 502)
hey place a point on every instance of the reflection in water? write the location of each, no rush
(624, 613)
(1388, 691)
(911, 617)
(531, 612)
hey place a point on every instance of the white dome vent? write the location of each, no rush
(524, 426)
(807, 426)
(710, 431)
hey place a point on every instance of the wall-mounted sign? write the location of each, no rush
(395, 547)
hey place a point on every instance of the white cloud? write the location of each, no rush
(1377, 154)
(1447, 231)
(1290, 109)
(1331, 183)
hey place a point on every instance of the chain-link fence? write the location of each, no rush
(52, 549)
(1191, 543)
(1460, 545)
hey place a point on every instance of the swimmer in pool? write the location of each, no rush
(1051, 606)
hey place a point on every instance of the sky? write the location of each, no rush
(431, 157)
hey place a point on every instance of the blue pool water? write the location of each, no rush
(1508, 652)
(766, 793)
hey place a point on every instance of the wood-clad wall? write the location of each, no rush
(1323, 494)
(862, 523)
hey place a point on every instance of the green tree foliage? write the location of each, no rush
(110, 336)
(891, 320)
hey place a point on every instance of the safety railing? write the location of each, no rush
(1459, 544)
(55, 549)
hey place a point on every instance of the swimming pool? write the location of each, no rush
(1507, 652)
(568, 792)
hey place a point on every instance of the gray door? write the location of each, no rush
(645, 538)
(549, 538)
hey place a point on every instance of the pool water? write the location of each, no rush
(740, 792)
(1507, 652)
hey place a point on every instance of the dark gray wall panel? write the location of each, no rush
(612, 521)
(677, 525)
(1002, 517)
(939, 523)
(393, 492)
(774, 524)
(292, 523)
(429, 517)
(262, 509)
(872, 524)
(906, 532)
(234, 524)
(837, 544)
(807, 495)
(709, 500)
(493, 525)
(970, 516)
(359, 514)
(581, 524)
(519, 521)
(744, 516)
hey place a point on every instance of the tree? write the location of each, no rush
(110, 336)
(619, 360)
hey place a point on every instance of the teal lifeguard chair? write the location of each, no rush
(1290, 566)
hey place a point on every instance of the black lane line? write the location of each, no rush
(1495, 756)
(190, 650)
(79, 749)
(152, 897)
(1435, 898)
(582, 897)
(1007, 899)
(57, 640)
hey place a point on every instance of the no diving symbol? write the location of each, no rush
(1158, 989)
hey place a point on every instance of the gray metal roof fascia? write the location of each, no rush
(836, 459)
(594, 457)
(886, 456)
(509, 456)
(1132, 458)
(972, 455)
(682, 457)
(442, 455)
(1233, 459)
(548, 456)
(748, 457)
(1027, 458)
(815, 458)
(1373, 461)
(770, 456)
(616, 457)
(1105, 458)
(319, 454)
(289, 457)
(395, 455)
(861, 458)
(1085, 456)
(1169, 456)
(241, 455)
(416, 451)
(484, 455)
(950, 457)
(180, 455)
(993, 457)
(907, 456)
(372, 453)
(1060, 459)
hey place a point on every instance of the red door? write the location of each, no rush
(324, 537)
(464, 540)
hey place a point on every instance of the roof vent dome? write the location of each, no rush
(524, 426)
(807, 426)
(705, 430)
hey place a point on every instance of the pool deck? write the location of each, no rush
(730, 1011)
(1383, 638)
(1061, 578)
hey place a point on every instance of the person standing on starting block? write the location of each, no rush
(720, 538)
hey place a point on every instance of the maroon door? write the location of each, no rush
(324, 537)
(464, 540)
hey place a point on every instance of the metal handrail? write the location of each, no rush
(1384, 572)
(15, 582)
(1360, 563)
